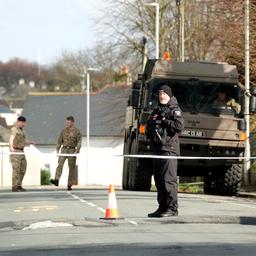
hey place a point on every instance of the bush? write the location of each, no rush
(195, 188)
(45, 177)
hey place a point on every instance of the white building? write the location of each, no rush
(9, 116)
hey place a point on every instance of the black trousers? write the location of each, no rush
(165, 175)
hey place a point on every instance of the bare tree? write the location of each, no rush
(125, 22)
(101, 56)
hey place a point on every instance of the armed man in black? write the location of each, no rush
(164, 125)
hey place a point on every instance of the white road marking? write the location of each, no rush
(98, 208)
(36, 208)
(101, 209)
(133, 222)
(47, 224)
(83, 201)
(50, 208)
(91, 204)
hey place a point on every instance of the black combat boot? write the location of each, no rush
(15, 189)
(21, 189)
(156, 214)
(55, 182)
(169, 213)
(69, 187)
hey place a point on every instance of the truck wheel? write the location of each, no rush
(225, 183)
(140, 171)
(232, 179)
(125, 176)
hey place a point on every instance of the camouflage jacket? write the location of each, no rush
(19, 138)
(69, 138)
(229, 103)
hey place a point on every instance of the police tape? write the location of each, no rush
(190, 157)
(38, 153)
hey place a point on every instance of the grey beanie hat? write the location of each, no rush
(165, 88)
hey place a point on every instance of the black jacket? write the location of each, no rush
(164, 125)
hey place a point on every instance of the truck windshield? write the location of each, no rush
(199, 97)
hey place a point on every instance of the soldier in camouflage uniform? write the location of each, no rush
(16, 144)
(70, 143)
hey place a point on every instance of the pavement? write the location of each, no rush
(251, 194)
(248, 194)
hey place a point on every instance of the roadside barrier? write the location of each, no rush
(191, 157)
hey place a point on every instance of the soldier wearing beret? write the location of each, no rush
(17, 144)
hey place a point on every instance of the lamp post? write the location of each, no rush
(180, 4)
(157, 27)
(87, 71)
(247, 162)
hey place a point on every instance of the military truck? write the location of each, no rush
(210, 130)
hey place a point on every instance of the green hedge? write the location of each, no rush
(45, 177)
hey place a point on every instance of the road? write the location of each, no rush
(59, 222)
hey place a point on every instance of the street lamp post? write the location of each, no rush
(247, 162)
(88, 118)
(180, 4)
(157, 27)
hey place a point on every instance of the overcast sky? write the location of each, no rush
(41, 29)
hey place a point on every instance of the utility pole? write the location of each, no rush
(156, 5)
(144, 52)
(247, 162)
(88, 85)
(180, 4)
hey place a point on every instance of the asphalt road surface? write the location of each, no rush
(58, 222)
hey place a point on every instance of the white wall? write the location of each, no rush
(32, 176)
(104, 167)
(10, 118)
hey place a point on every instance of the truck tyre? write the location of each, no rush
(225, 183)
(140, 171)
(232, 179)
(125, 176)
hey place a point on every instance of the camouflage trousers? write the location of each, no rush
(71, 166)
(19, 165)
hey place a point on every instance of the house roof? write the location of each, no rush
(15, 102)
(46, 114)
(5, 110)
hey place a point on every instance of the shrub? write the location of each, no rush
(45, 177)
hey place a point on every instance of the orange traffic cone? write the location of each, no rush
(112, 211)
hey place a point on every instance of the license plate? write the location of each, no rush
(191, 133)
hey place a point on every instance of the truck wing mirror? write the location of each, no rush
(136, 93)
(135, 97)
(253, 100)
